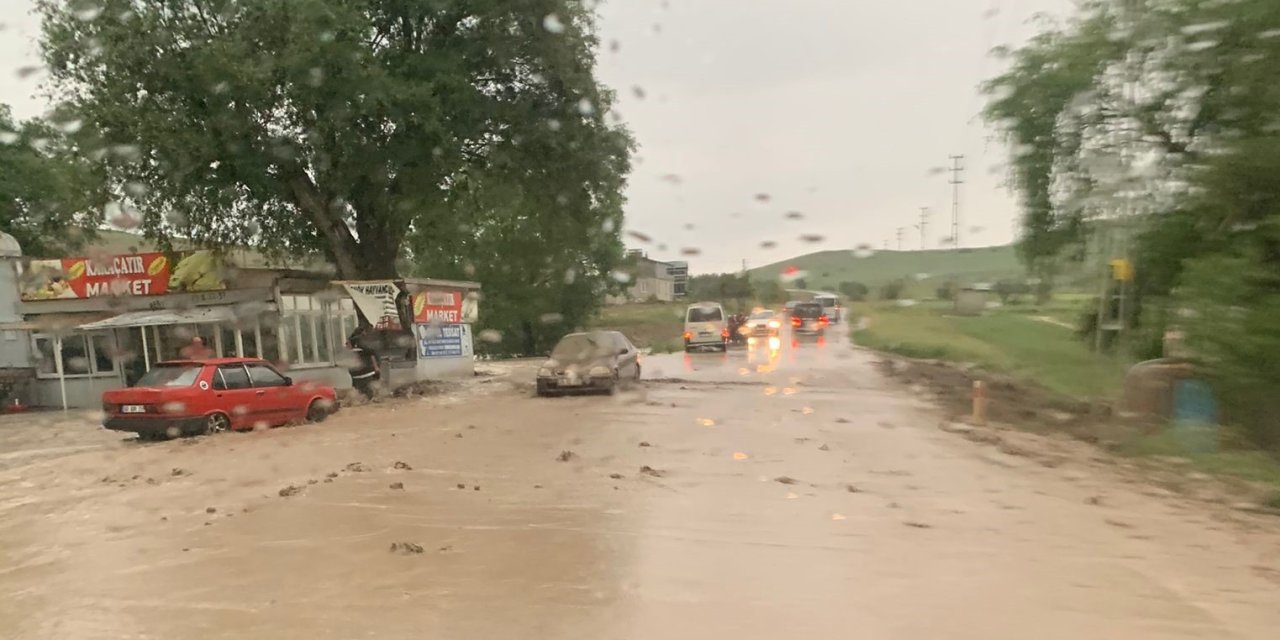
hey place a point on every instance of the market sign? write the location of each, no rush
(137, 274)
(444, 306)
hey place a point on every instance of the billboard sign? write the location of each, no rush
(138, 274)
(444, 341)
(445, 306)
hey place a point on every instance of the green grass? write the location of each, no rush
(655, 326)
(1009, 340)
(1203, 448)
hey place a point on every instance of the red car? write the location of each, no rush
(185, 397)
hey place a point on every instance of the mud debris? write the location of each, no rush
(396, 485)
(290, 490)
(785, 480)
(461, 486)
(852, 489)
(403, 466)
(331, 475)
(645, 444)
(566, 456)
(179, 471)
(1093, 500)
(824, 448)
(917, 525)
(406, 548)
(616, 476)
(842, 421)
(210, 509)
(650, 471)
(357, 467)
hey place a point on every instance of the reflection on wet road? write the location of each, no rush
(772, 492)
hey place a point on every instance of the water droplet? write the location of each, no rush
(640, 237)
(220, 87)
(70, 126)
(691, 251)
(706, 422)
(315, 76)
(906, 302)
(620, 276)
(863, 251)
(608, 225)
(638, 91)
(614, 46)
(793, 215)
(740, 456)
(688, 226)
(763, 197)
(837, 516)
(551, 318)
(8, 137)
(491, 336)
(88, 13)
(553, 124)
(135, 190)
(672, 178)
(126, 152)
(768, 244)
(174, 407)
(27, 71)
(812, 237)
(570, 275)
(553, 24)
(585, 107)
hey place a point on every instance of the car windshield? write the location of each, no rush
(582, 347)
(163, 375)
(705, 314)
(762, 315)
(826, 302)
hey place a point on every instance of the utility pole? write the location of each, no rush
(900, 232)
(924, 224)
(957, 170)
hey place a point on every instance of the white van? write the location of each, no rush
(705, 327)
(830, 305)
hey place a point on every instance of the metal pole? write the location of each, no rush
(956, 170)
(57, 361)
(146, 354)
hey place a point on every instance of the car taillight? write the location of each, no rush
(823, 319)
(724, 333)
(795, 321)
(688, 335)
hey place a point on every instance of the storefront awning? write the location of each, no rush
(161, 317)
(52, 322)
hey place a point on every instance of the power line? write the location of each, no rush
(957, 170)
(900, 232)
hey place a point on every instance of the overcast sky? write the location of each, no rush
(837, 109)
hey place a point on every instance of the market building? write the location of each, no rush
(75, 327)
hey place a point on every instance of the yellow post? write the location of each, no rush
(979, 403)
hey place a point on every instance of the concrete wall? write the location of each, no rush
(82, 393)
(15, 346)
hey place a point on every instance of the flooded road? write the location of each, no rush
(786, 492)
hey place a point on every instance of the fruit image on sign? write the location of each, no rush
(438, 306)
(158, 266)
(197, 271)
(419, 304)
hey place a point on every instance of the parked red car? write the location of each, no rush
(185, 397)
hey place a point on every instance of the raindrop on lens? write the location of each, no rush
(553, 24)
(491, 335)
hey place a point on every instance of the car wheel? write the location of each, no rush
(217, 423)
(316, 411)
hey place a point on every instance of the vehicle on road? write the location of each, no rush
(594, 361)
(789, 306)
(831, 306)
(808, 318)
(705, 327)
(193, 397)
(763, 323)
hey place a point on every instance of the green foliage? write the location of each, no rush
(854, 291)
(946, 291)
(892, 290)
(1011, 291)
(341, 127)
(50, 197)
(874, 269)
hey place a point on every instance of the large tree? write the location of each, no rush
(330, 126)
(51, 198)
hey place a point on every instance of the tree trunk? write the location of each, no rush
(530, 339)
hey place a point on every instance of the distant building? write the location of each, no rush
(679, 272)
(650, 280)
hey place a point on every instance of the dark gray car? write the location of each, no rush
(592, 361)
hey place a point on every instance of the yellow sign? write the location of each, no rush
(1121, 270)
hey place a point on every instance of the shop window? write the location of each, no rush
(305, 334)
(82, 355)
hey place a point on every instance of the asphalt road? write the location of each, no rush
(765, 493)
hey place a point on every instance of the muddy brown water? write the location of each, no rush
(889, 528)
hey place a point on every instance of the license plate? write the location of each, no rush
(570, 382)
(133, 408)
(810, 325)
(704, 333)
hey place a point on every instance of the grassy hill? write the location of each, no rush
(827, 269)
